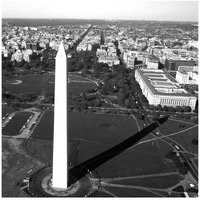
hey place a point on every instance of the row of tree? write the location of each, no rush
(170, 108)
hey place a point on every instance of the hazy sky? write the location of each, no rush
(102, 9)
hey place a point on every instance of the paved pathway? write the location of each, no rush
(139, 176)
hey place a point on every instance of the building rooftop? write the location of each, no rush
(155, 92)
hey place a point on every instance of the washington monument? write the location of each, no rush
(60, 149)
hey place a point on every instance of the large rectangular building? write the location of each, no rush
(175, 65)
(159, 89)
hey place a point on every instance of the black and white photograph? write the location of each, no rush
(99, 98)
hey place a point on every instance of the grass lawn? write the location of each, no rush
(77, 87)
(185, 139)
(89, 129)
(42, 130)
(37, 84)
(77, 78)
(41, 148)
(111, 129)
(7, 110)
(94, 134)
(30, 84)
(44, 149)
(136, 161)
(185, 136)
(13, 127)
(171, 126)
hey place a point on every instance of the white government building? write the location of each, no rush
(159, 88)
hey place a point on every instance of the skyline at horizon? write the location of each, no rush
(185, 11)
(32, 18)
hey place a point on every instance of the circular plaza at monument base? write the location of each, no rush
(40, 185)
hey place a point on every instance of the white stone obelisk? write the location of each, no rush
(60, 149)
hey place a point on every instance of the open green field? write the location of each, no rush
(77, 87)
(110, 129)
(143, 159)
(185, 139)
(42, 130)
(172, 126)
(15, 124)
(38, 84)
(182, 135)
(77, 78)
(95, 133)
(30, 84)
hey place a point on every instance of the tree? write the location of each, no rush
(106, 77)
(33, 56)
(143, 99)
(27, 66)
(127, 103)
(194, 141)
(196, 120)
(165, 108)
(156, 116)
(84, 105)
(159, 107)
(182, 125)
(97, 103)
(132, 104)
(196, 109)
(152, 107)
(192, 190)
(179, 109)
(121, 98)
(7, 65)
(187, 109)
(95, 47)
(102, 41)
(171, 109)
(90, 103)
(116, 43)
(182, 168)
(16, 106)
(139, 116)
(179, 189)
(160, 65)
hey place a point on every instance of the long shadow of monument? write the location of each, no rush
(84, 168)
